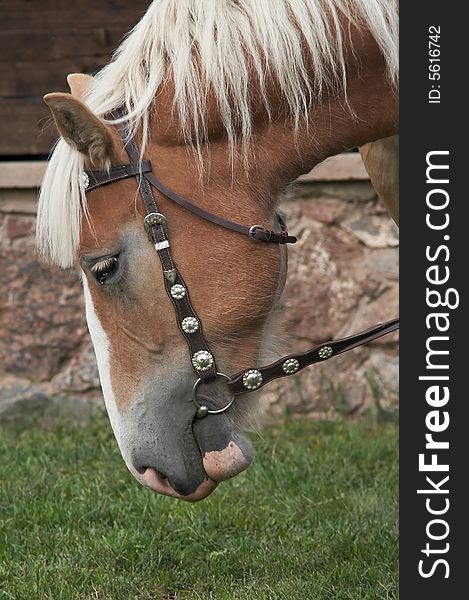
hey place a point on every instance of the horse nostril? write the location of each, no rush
(159, 474)
(180, 487)
(143, 470)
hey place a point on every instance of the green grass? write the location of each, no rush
(315, 517)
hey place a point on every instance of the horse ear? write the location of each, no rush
(82, 130)
(79, 83)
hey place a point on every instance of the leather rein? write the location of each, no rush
(189, 324)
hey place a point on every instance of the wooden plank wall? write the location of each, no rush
(41, 41)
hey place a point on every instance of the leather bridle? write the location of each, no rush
(190, 326)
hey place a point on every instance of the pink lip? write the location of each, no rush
(156, 482)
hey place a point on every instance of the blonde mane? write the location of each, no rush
(215, 47)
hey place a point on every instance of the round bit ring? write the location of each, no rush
(203, 410)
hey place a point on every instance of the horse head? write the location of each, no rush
(220, 102)
(143, 361)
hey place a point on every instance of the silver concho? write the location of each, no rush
(178, 291)
(252, 379)
(290, 366)
(325, 352)
(202, 360)
(190, 325)
(85, 180)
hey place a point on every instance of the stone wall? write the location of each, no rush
(343, 277)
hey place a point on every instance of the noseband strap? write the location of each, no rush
(187, 320)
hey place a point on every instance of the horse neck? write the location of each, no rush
(278, 153)
(367, 112)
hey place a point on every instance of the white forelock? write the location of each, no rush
(218, 47)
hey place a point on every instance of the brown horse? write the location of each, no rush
(231, 101)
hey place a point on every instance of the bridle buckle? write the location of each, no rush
(152, 220)
(252, 231)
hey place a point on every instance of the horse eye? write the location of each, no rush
(104, 268)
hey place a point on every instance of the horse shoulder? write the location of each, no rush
(381, 160)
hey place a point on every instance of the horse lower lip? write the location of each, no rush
(159, 474)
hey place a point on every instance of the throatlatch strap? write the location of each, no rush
(256, 232)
